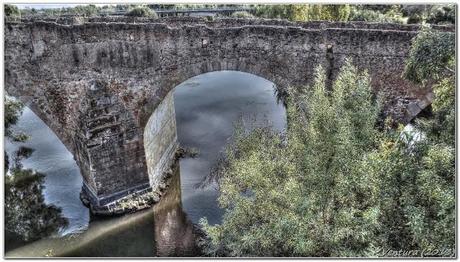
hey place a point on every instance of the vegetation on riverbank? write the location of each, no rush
(410, 14)
(13, 109)
(340, 186)
(304, 12)
(27, 216)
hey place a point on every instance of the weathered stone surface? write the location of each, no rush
(97, 82)
(160, 141)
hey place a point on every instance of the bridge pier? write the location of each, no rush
(123, 169)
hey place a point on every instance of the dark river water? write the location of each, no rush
(207, 106)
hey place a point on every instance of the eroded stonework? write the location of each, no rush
(96, 82)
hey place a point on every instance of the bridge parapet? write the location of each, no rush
(235, 22)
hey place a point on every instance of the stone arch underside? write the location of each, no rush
(96, 85)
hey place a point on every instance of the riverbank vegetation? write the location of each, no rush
(404, 14)
(13, 109)
(410, 14)
(304, 12)
(339, 185)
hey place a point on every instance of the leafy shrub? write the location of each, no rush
(309, 196)
(368, 15)
(84, 10)
(337, 186)
(303, 12)
(142, 11)
(443, 14)
(329, 12)
(13, 110)
(12, 11)
(415, 19)
(432, 54)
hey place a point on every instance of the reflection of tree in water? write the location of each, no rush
(175, 235)
(27, 216)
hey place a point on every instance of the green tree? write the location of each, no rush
(329, 12)
(297, 12)
(432, 61)
(142, 11)
(395, 170)
(417, 178)
(341, 198)
(432, 56)
(309, 196)
(11, 11)
(434, 212)
(442, 14)
(304, 12)
(417, 193)
(85, 10)
(13, 110)
(432, 215)
(379, 15)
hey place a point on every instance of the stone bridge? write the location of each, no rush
(103, 85)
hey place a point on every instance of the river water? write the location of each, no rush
(207, 107)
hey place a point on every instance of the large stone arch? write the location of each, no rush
(176, 77)
(160, 134)
(65, 72)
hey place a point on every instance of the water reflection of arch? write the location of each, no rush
(174, 233)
